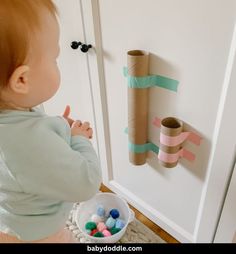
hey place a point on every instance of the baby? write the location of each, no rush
(46, 163)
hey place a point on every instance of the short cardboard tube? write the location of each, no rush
(172, 127)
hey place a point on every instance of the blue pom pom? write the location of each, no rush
(119, 223)
(101, 211)
(114, 213)
(110, 223)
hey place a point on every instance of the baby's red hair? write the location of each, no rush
(19, 20)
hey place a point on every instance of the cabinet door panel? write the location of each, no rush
(226, 231)
(189, 41)
(75, 84)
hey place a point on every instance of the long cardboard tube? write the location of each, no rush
(138, 66)
(173, 127)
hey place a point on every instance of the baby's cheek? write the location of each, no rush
(56, 78)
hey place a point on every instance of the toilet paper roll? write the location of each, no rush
(171, 127)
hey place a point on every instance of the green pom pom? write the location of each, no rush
(114, 230)
(98, 234)
(90, 225)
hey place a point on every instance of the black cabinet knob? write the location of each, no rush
(75, 44)
(83, 47)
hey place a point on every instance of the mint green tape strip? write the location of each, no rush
(150, 81)
(142, 148)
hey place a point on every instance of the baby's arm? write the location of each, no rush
(57, 168)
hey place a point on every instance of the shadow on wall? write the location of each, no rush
(159, 96)
(160, 66)
(199, 166)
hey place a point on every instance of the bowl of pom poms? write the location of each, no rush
(104, 218)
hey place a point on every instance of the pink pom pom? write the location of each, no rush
(106, 233)
(101, 226)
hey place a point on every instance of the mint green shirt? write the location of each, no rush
(43, 171)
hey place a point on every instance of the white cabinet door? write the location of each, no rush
(191, 41)
(226, 231)
(73, 64)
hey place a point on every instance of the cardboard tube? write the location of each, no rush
(138, 66)
(173, 127)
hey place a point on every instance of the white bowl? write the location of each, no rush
(108, 201)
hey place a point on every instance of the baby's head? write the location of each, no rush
(29, 35)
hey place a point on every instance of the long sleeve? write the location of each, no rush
(43, 171)
(56, 166)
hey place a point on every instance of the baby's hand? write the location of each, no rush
(82, 129)
(66, 115)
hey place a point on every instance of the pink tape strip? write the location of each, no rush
(194, 138)
(187, 155)
(171, 158)
(174, 141)
(157, 122)
(167, 157)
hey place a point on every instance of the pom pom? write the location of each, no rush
(98, 234)
(119, 223)
(114, 230)
(94, 231)
(90, 225)
(110, 223)
(106, 233)
(88, 231)
(101, 226)
(107, 214)
(114, 213)
(96, 218)
(101, 211)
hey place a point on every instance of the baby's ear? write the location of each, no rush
(18, 81)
